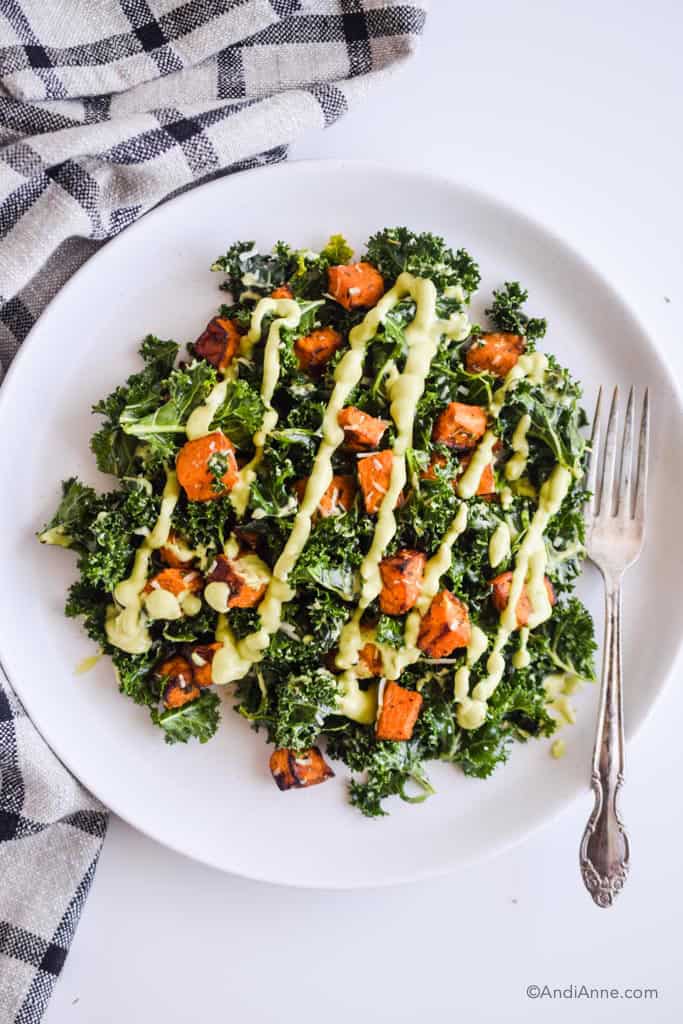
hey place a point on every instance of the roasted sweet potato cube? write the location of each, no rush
(369, 661)
(292, 770)
(459, 425)
(402, 576)
(316, 348)
(374, 475)
(444, 627)
(201, 658)
(219, 343)
(175, 695)
(355, 286)
(500, 594)
(180, 687)
(282, 292)
(495, 352)
(194, 467)
(398, 714)
(175, 581)
(245, 591)
(337, 498)
(360, 430)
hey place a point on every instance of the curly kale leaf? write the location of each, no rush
(507, 314)
(302, 703)
(248, 269)
(205, 523)
(135, 677)
(426, 255)
(556, 421)
(293, 706)
(88, 602)
(114, 450)
(271, 491)
(240, 414)
(389, 630)
(196, 720)
(391, 769)
(566, 641)
(104, 529)
(333, 554)
(70, 525)
(163, 429)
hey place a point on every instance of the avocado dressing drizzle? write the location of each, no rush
(126, 621)
(529, 570)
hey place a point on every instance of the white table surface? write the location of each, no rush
(570, 109)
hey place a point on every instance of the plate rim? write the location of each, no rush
(430, 179)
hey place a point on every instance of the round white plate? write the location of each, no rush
(217, 802)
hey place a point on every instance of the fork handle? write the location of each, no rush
(605, 852)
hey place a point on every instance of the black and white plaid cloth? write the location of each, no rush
(107, 108)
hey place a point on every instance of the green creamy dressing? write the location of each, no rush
(468, 484)
(126, 622)
(469, 712)
(288, 314)
(499, 544)
(532, 366)
(520, 446)
(529, 569)
(88, 664)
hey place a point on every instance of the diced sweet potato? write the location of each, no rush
(338, 496)
(180, 687)
(402, 576)
(356, 285)
(282, 292)
(369, 661)
(316, 348)
(444, 627)
(175, 581)
(374, 475)
(360, 430)
(219, 343)
(193, 466)
(398, 714)
(201, 659)
(501, 592)
(460, 425)
(176, 553)
(175, 695)
(495, 352)
(244, 592)
(296, 771)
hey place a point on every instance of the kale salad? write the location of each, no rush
(351, 506)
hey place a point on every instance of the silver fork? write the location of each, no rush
(615, 528)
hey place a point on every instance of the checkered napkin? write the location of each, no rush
(107, 108)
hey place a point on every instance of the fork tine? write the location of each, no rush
(606, 505)
(594, 458)
(641, 479)
(626, 462)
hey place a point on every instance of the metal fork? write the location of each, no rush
(615, 528)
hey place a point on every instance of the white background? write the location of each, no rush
(570, 109)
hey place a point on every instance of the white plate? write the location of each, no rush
(217, 802)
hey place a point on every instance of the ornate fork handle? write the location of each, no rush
(605, 851)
